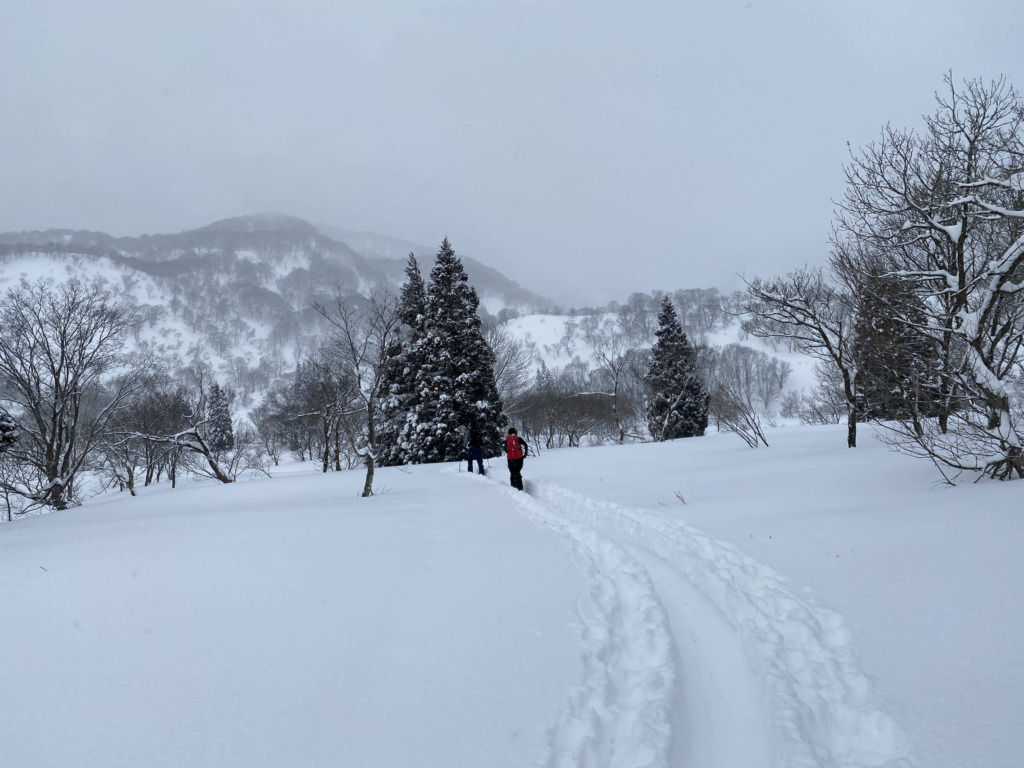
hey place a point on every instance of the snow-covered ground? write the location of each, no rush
(808, 605)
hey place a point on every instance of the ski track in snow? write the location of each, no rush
(619, 716)
(818, 703)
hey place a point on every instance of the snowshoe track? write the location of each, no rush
(619, 716)
(820, 701)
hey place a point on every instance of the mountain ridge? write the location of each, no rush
(267, 233)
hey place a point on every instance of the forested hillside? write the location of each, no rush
(244, 323)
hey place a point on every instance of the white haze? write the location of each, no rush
(587, 150)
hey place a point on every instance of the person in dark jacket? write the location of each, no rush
(516, 450)
(474, 449)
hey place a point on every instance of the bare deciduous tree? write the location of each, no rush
(513, 366)
(362, 338)
(805, 308)
(62, 372)
(736, 391)
(617, 372)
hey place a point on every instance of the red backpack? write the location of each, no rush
(512, 447)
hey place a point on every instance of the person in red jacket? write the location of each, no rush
(516, 450)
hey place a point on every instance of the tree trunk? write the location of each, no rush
(326, 455)
(615, 413)
(215, 468)
(368, 485)
(130, 478)
(371, 445)
(55, 496)
(850, 385)
(195, 443)
(946, 407)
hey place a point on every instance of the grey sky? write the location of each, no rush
(587, 149)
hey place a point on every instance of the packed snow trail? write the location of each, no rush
(804, 703)
(619, 716)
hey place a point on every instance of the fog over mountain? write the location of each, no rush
(353, 261)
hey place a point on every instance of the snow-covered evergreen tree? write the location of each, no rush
(8, 431)
(219, 432)
(678, 401)
(454, 383)
(398, 400)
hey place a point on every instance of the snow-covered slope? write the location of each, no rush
(807, 605)
(237, 294)
(557, 340)
(174, 339)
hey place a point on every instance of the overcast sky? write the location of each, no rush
(588, 149)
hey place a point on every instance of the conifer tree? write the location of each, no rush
(398, 385)
(8, 431)
(220, 433)
(678, 401)
(455, 387)
(897, 366)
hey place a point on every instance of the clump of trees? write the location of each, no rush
(562, 409)
(454, 385)
(921, 312)
(76, 403)
(397, 380)
(392, 381)
(649, 381)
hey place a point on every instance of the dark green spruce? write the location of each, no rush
(454, 385)
(677, 404)
(399, 381)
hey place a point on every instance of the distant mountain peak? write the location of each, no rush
(368, 258)
(262, 222)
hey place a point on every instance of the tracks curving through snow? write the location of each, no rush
(695, 654)
(619, 716)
